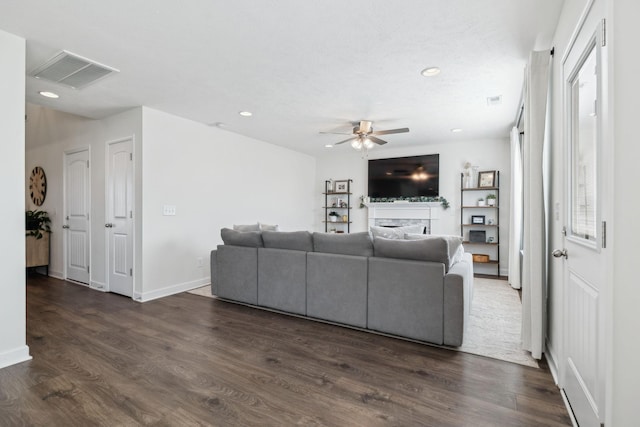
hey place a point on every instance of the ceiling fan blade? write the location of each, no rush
(346, 140)
(387, 132)
(377, 140)
(337, 133)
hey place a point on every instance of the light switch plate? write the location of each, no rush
(168, 210)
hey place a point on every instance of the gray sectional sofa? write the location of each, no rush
(407, 288)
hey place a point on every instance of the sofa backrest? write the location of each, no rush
(358, 244)
(434, 249)
(294, 240)
(251, 239)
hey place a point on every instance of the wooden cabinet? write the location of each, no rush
(480, 223)
(37, 251)
(337, 199)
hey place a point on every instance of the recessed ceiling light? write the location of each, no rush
(49, 94)
(246, 113)
(456, 130)
(430, 71)
(328, 146)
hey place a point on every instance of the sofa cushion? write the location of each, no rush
(455, 244)
(252, 239)
(346, 244)
(247, 227)
(436, 250)
(296, 240)
(396, 232)
(267, 227)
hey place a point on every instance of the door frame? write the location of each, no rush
(65, 153)
(107, 145)
(605, 193)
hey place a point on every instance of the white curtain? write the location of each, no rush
(534, 231)
(515, 213)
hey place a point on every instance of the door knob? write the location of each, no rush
(65, 226)
(108, 225)
(560, 253)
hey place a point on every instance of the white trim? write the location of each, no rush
(576, 31)
(16, 355)
(551, 361)
(98, 286)
(56, 274)
(171, 290)
(574, 422)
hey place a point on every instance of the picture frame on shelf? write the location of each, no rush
(477, 219)
(477, 236)
(486, 179)
(341, 186)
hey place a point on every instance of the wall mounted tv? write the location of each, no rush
(416, 176)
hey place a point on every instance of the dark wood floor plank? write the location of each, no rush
(103, 359)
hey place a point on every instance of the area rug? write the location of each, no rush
(494, 323)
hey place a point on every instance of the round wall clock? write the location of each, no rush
(38, 186)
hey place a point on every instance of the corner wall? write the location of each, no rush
(13, 347)
(343, 162)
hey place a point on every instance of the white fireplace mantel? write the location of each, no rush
(396, 214)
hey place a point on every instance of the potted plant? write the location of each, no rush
(481, 202)
(491, 200)
(333, 216)
(37, 222)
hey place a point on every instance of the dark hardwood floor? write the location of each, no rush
(102, 359)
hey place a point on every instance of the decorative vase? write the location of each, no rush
(481, 203)
(333, 218)
(491, 202)
(474, 176)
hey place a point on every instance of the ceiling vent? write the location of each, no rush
(72, 70)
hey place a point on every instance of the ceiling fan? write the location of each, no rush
(364, 137)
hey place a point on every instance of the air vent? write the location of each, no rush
(494, 100)
(72, 70)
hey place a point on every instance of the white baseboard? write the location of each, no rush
(551, 361)
(56, 274)
(170, 290)
(98, 286)
(16, 355)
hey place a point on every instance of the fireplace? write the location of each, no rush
(398, 214)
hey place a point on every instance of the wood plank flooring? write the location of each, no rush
(104, 360)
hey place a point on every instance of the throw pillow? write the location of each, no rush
(396, 232)
(251, 239)
(267, 227)
(295, 240)
(345, 244)
(247, 227)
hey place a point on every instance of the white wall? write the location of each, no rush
(625, 33)
(13, 348)
(49, 134)
(215, 179)
(343, 162)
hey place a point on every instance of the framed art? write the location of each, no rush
(486, 179)
(477, 219)
(477, 236)
(341, 186)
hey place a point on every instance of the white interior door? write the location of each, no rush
(76, 209)
(584, 257)
(119, 216)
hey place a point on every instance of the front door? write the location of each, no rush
(119, 216)
(585, 260)
(76, 210)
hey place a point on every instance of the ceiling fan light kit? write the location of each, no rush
(364, 136)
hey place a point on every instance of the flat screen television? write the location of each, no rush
(416, 176)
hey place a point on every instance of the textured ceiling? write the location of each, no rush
(300, 66)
